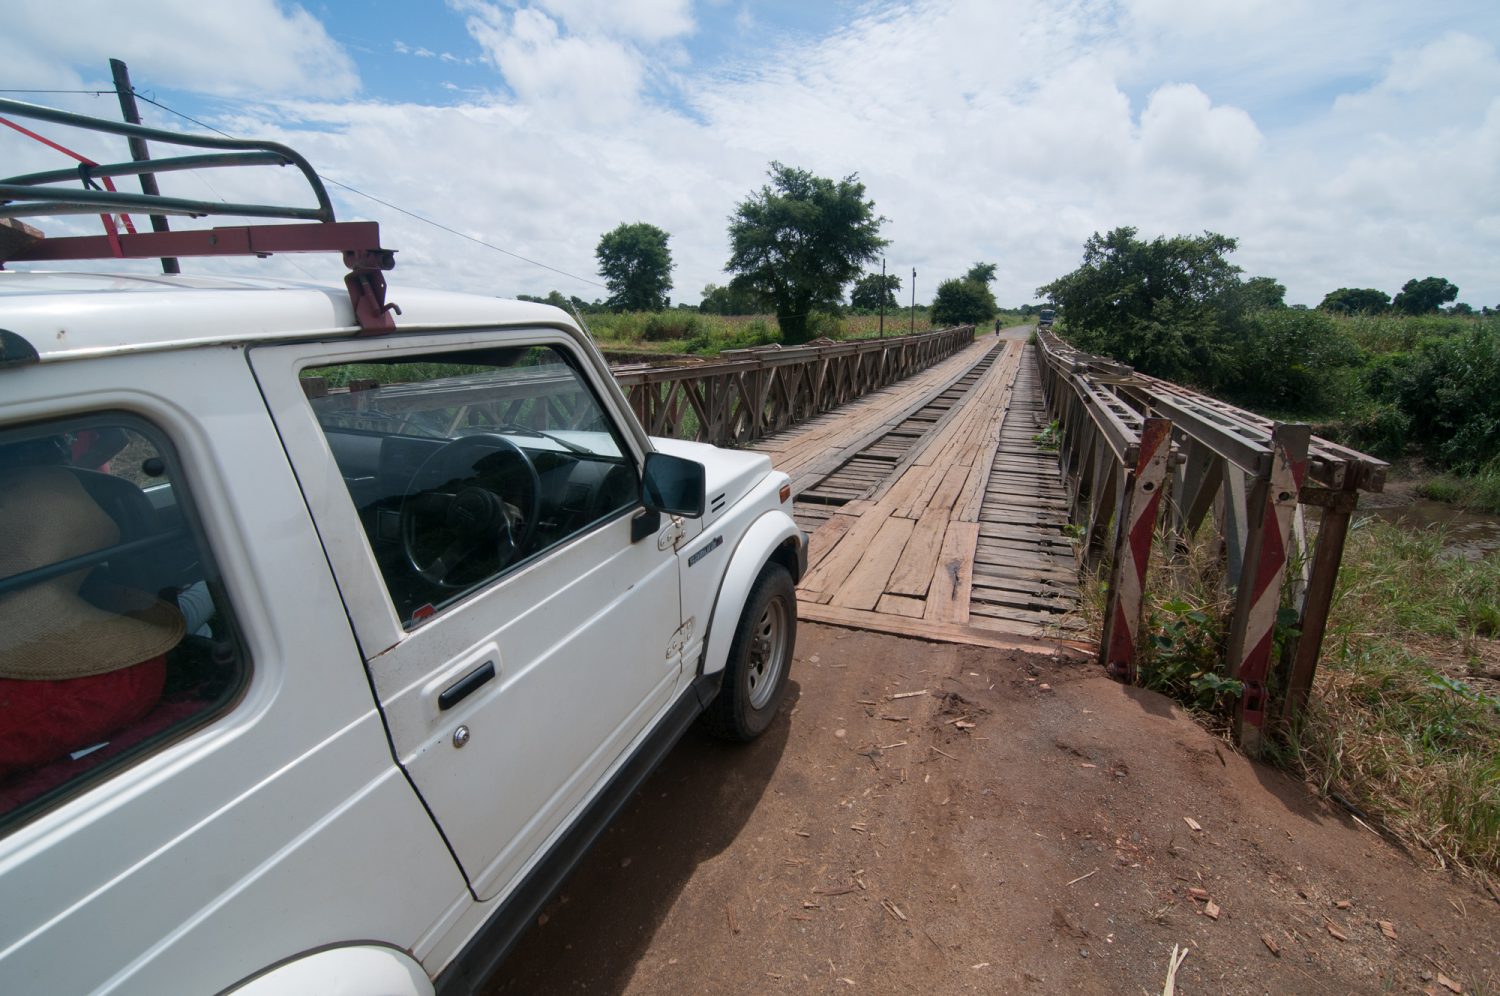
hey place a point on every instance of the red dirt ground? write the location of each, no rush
(876, 843)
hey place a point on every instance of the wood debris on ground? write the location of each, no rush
(1271, 944)
(893, 910)
(1193, 824)
(1179, 955)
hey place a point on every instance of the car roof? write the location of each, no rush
(67, 315)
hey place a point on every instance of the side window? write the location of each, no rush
(464, 466)
(114, 630)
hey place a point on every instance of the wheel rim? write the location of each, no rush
(767, 653)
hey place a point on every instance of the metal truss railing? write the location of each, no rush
(1127, 440)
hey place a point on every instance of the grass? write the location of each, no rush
(1404, 720)
(682, 331)
(1480, 492)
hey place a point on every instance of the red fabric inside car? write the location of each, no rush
(45, 721)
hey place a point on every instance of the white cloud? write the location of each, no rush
(645, 20)
(247, 48)
(1183, 133)
(1342, 144)
(592, 77)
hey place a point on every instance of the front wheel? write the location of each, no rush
(760, 659)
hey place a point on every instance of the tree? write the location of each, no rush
(554, 298)
(981, 273)
(1421, 297)
(798, 240)
(1263, 292)
(962, 302)
(1356, 301)
(728, 300)
(1162, 306)
(637, 266)
(866, 293)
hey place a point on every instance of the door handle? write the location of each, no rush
(465, 686)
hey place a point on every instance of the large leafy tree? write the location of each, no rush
(867, 293)
(1356, 301)
(637, 267)
(981, 273)
(799, 240)
(964, 301)
(1164, 306)
(1421, 297)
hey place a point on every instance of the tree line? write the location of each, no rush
(795, 244)
(1387, 373)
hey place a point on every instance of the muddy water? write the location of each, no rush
(1472, 535)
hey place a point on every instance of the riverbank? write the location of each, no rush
(1403, 727)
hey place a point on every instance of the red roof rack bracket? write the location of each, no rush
(366, 283)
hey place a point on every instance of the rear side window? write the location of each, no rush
(115, 634)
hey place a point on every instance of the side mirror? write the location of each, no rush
(673, 485)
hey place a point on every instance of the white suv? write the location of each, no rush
(324, 654)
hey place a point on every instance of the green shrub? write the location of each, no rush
(1284, 359)
(1449, 390)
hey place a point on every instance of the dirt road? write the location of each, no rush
(1021, 824)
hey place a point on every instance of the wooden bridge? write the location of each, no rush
(933, 510)
(962, 489)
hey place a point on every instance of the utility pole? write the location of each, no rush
(914, 300)
(139, 152)
(883, 293)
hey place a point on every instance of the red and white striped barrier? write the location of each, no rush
(1140, 500)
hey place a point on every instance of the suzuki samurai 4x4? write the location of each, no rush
(328, 642)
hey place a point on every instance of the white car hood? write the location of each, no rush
(730, 474)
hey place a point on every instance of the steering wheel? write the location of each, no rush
(469, 510)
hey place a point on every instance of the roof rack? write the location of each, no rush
(87, 189)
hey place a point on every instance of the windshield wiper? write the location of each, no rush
(526, 430)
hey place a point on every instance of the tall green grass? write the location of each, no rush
(1480, 492)
(684, 331)
(1405, 722)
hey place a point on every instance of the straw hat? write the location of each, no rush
(48, 632)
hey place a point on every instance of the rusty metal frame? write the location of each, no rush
(1253, 474)
(750, 393)
(76, 191)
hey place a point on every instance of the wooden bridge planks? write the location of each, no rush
(962, 535)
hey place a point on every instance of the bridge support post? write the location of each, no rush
(1327, 555)
(1252, 634)
(1140, 500)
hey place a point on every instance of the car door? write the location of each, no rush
(518, 643)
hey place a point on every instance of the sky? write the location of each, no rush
(1343, 144)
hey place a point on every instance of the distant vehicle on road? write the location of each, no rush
(1044, 318)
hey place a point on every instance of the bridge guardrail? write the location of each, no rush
(1127, 439)
(749, 393)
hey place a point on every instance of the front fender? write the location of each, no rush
(764, 537)
(354, 970)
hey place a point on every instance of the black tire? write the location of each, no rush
(760, 659)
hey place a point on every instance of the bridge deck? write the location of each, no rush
(933, 511)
